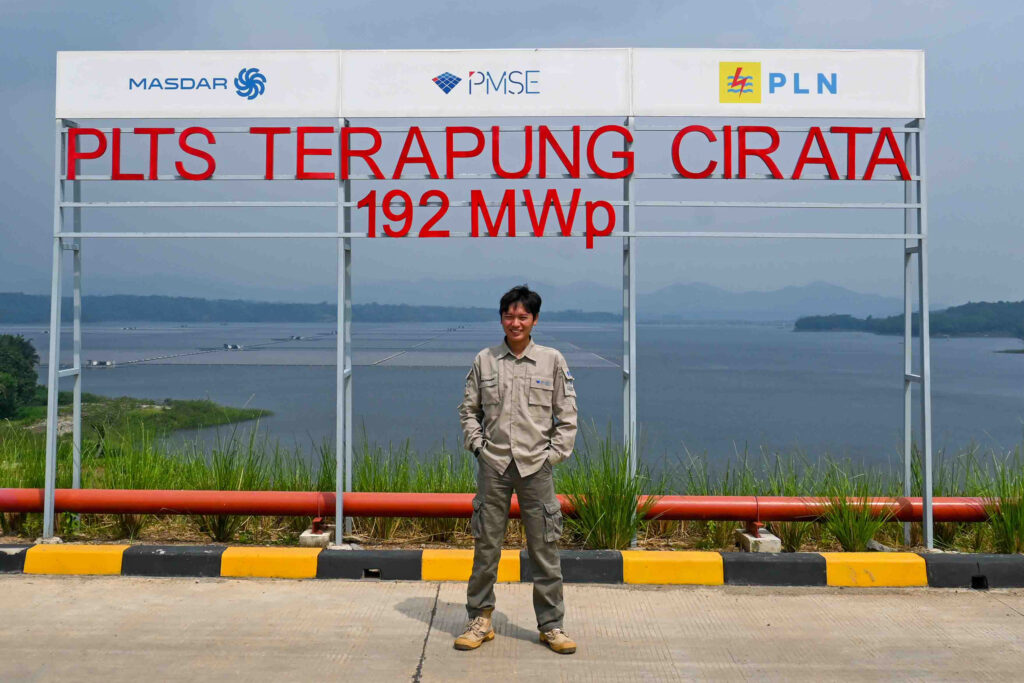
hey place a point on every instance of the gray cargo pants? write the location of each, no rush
(542, 520)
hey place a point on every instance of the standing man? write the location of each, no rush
(519, 420)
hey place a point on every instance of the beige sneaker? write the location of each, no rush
(478, 631)
(558, 641)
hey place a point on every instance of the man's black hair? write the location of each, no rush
(520, 295)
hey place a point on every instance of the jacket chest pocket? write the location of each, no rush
(489, 393)
(540, 391)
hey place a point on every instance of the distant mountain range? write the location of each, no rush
(468, 301)
(684, 301)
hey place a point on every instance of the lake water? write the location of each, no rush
(714, 388)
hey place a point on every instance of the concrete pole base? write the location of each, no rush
(52, 540)
(318, 539)
(345, 546)
(763, 543)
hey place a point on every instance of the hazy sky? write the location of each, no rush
(974, 99)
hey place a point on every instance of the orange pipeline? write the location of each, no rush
(364, 504)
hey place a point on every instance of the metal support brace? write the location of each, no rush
(909, 249)
(53, 362)
(343, 394)
(629, 315)
(76, 303)
(925, 342)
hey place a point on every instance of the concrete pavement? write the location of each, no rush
(121, 628)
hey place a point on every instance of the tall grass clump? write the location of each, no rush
(849, 517)
(21, 466)
(733, 479)
(606, 498)
(1006, 503)
(792, 476)
(233, 464)
(400, 469)
(444, 472)
(129, 458)
(383, 470)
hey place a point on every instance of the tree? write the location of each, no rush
(18, 360)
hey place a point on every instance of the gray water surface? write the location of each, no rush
(714, 388)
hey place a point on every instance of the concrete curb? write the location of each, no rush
(945, 570)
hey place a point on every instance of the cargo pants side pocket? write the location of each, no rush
(552, 522)
(476, 522)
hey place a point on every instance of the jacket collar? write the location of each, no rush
(528, 352)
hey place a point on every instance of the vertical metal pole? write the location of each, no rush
(629, 316)
(342, 452)
(53, 362)
(76, 414)
(347, 244)
(909, 247)
(925, 339)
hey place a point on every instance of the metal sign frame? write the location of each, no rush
(913, 239)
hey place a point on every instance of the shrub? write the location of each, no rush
(607, 499)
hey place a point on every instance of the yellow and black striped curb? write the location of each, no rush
(945, 570)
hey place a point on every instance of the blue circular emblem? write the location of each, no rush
(250, 83)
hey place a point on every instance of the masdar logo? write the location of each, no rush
(739, 82)
(250, 83)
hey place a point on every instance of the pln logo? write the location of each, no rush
(446, 81)
(250, 83)
(739, 82)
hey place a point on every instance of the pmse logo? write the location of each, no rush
(515, 82)
(446, 81)
(249, 83)
(740, 82)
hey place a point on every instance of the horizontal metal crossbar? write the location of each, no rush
(324, 122)
(524, 234)
(779, 235)
(782, 205)
(146, 205)
(69, 372)
(463, 204)
(291, 177)
(909, 377)
(189, 205)
(442, 129)
(780, 129)
(495, 176)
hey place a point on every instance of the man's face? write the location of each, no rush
(517, 323)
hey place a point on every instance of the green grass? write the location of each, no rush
(1006, 504)
(131, 454)
(849, 518)
(99, 412)
(598, 483)
(399, 469)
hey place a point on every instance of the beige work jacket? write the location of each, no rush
(521, 409)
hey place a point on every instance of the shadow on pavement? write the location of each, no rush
(453, 615)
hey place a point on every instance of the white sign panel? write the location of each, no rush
(238, 84)
(485, 83)
(737, 83)
(492, 83)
